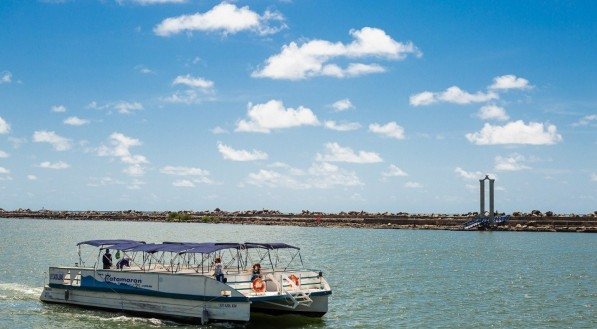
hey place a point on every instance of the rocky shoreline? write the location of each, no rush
(534, 221)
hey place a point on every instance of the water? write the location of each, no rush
(380, 278)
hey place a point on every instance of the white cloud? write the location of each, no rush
(273, 115)
(473, 175)
(188, 97)
(124, 107)
(390, 129)
(492, 112)
(5, 77)
(31, 177)
(326, 175)
(348, 126)
(4, 126)
(4, 171)
(240, 155)
(120, 148)
(586, 120)
(217, 130)
(4, 154)
(272, 178)
(394, 171)
(104, 181)
(321, 175)
(453, 95)
(226, 18)
(144, 70)
(75, 121)
(342, 105)
(310, 59)
(337, 153)
(509, 81)
(58, 108)
(184, 171)
(516, 132)
(412, 185)
(514, 162)
(594, 177)
(194, 82)
(59, 143)
(183, 183)
(56, 165)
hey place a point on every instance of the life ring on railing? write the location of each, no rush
(258, 285)
(295, 279)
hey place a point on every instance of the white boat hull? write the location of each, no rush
(179, 309)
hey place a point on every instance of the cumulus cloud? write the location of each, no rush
(313, 58)
(320, 175)
(390, 129)
(263, 118)
(31, 177)
(5, 77)
(472, 175)
(453, 95)
(337, 153)
(124, 107)
(4, 126)
(198, 175)
(590, 119)
(413, 185)
(509, 81)
(240, 155)
(58, 108)
(188, 97)
(59, 143)
(226, 18)
(594, 177)
(194, 82)
(516, 132)
(4, 171)
(348, 126)
(119, 147)
(75, 121)
(514, 162)
(56, 165)
(217, 130)
(492, 112)
(394, 171)
(342, 105)
(183, 183)
(4, 154)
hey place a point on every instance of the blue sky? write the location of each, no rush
(291, 105)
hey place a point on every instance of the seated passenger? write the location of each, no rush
(123, 262)
(256, 272)
(218, 270)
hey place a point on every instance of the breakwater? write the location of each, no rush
(519, 221)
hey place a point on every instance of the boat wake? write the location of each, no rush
(18, 291)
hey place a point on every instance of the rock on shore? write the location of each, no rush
(535, 220)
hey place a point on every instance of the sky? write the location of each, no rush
(298, 105)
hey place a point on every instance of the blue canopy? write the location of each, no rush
(99, 243)
(274, 245)
(206, 248)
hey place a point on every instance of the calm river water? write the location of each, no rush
(380, 278)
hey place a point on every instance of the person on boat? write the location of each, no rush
(218, 270)
(123, 262)
(107, 260)
(256, 272)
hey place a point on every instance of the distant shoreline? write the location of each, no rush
(528, 222)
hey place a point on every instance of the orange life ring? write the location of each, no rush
(295, 279)
(258, 285)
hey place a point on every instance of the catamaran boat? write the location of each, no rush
(176, 280)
